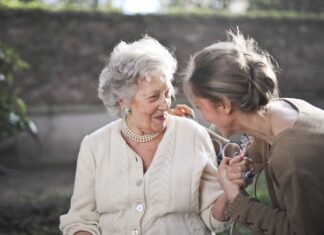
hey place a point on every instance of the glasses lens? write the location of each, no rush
(231, 149)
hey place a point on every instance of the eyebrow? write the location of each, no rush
(146, 95)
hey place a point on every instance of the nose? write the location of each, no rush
(165, 103)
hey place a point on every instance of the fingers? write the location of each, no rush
(231, 188)
(225, 161)
(223, 167)
(240, 157)
(234, 176)
(240, 170)
(240, 164)
(239, 179)
(241, 183)
(222, 170)
(183, 110)
(236, 159)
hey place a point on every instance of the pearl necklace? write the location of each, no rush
(138, 138)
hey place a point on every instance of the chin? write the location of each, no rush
(226, 133)
(158, 124)
(159, 127)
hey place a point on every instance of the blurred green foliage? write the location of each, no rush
(291, 7)
(258, 189)
(13, 111)
(56, 5)
(281, 5)
(21, 4)
(294, 5)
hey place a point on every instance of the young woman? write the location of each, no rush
(234, 85)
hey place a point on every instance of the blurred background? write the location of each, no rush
(52, 52)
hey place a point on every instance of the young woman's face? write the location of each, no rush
(216, 114)
(150, 105)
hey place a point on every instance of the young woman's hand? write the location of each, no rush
(230, 188)
(237, 169)
(183, 110)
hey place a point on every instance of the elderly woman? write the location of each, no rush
(234, 85)
(148, 172)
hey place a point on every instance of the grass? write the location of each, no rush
(33, 217)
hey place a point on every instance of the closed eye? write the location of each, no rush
(153, 97)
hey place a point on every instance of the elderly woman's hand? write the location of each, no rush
(231, 174)
(182, 110)
(230, 188)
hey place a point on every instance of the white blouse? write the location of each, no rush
(175, 195)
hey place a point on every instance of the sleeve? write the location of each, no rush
(210, 189)
(256, 151)
(300, 193)
(258, 217)
(82, 214)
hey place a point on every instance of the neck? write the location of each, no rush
(134, 127)
(279, 116)
(256, 125)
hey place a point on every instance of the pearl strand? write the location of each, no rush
(138, 138)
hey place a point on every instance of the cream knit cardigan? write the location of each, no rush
(112, 195)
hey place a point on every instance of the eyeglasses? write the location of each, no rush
(224, 147)
(229, 148)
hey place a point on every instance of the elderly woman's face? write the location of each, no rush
(150, 105)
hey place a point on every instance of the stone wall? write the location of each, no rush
(66, 50)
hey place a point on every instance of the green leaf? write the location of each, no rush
(14, 119)
(21, 106)
(13, 110)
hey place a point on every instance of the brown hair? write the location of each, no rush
(236, 69)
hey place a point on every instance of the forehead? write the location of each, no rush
(152, 83)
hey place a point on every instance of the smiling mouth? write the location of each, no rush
(161, 117)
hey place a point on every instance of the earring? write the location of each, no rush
(127, 110)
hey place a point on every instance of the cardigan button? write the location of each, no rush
(139, 183)
(135, 232)
(140, 207)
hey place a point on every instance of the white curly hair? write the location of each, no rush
(130, 63)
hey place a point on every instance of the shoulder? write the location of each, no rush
(99, 141)
(104, 133)
(303, 106)
(187, 125)
(188, 131)
(191, 132)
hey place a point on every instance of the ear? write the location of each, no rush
(227, 105)
(123, 103)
